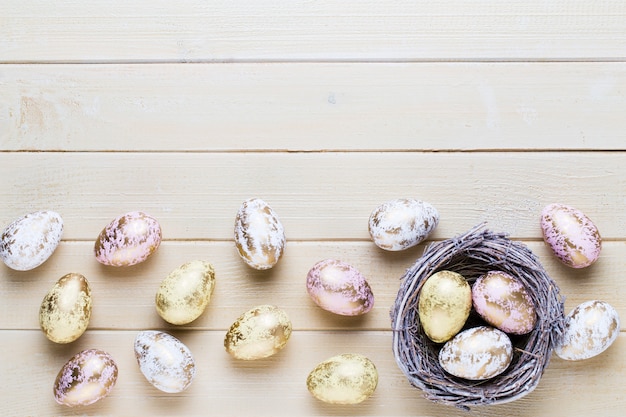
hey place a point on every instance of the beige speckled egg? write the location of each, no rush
(185, 293)
(444, 304)
(165, 361)
(259, 234)
(590, 329)
(340, 288)
(571, 235)
(503, 301)
(402, 223)
(258, 333)
(128, 240)
(66, 309)
(87, 377)
(478, 353)
(343, 379)
(30, 240)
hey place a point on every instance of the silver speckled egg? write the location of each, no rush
(31, 239)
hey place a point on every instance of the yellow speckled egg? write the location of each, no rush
(343, 379)
(503, 301)
(185, 293)
(30, 240)
(66, 309)
(259, 234)
(590, 329)
(477, 353)
(128, 240)
(165, 361)
(445, 301)
(258, 333)
(87, 377)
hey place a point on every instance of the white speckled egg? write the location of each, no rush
(31, 239)
(343, 379)
(185, 293)
(590, 329)
(571, 235)
(444, 305)
(478, 353)
(503, 301)
(128, 240)
(66, 309)
(165, 361)
(258, 333)
(402, 223)
(87, 377)
(259, 234)
(340, 288)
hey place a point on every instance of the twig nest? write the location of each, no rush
(472, 255)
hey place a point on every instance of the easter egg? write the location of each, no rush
(30, 240)
(66, 309)
(259, 234)
(503, 301)
(402, 223)
(128, 240)
(571, 235)
(343, 379)
(590, 329)
(87, 377)
(477, 353)
(340, 288)
(185, 293)
(164, 360)
(444, 304)
(258, 333)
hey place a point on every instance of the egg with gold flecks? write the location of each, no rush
(128, 240)
(258, 333)
(87, 377)
(185, 293)
(30, 240)
(165, 361)
(66, 309)
(571, 235)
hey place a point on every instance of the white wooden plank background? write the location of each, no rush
(325, 109)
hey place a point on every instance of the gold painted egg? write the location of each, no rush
(165, 361)
(343, 379)
(444, 305)
(128, 240)
(258, 333)
(30, 240)
(590, 329)
(259, 234)
(402, 223)
(571, 235)
(87, 377)
(478, 353)
(66, 309)
(185, 293)
(503, 301)
(340, 288)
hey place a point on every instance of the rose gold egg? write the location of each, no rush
(128, 240)
(87, 377)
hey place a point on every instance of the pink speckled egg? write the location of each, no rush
(340, 288)
(128, 240)
(87, 377)
(571, 235)
(30, 240)
(503, 301)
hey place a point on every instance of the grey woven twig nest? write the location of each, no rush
(472, 254)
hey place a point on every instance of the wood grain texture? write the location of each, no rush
(325, 109)
(312, 107)
(195, 30)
